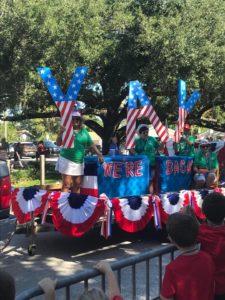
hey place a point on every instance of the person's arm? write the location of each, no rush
(48, 286)
(100, 156)
(113, 286)
(187, 140)
(59, 136)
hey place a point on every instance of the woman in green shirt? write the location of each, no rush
(205, 166)
(186, 143)
(71, 161)
(146, 145)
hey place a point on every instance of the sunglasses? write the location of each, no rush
(205, 146)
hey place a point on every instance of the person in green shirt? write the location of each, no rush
(71, 161)
(205, 166)
(146, 145)
(185, 147)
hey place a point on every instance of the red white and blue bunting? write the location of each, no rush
(132, 213)
(75, 214)
(28, 200)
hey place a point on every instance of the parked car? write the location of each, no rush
(7, 222)
(51, 149)
(26, 149)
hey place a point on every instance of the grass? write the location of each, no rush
(30, 175)
(28, 183)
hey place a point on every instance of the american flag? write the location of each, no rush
(66, 103)
(136, 92)
(184, 107)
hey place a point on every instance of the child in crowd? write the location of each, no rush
(212, 237)
(7, 286)
(191, 275)
(48, 286)
(113, 287)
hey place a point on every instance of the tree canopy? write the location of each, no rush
(154, 41)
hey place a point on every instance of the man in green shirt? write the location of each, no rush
(146, 145)
(71, 161)
(186, 143)
(205, 166)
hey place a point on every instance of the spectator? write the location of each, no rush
(4, 144)
(113, 287)
(71, 161)
(40, 149)
(191, 275)
(205, 166)
(212, 237)
(185, 146)
(146, 145)
(114, 146)
(7, 286)
(16, 152)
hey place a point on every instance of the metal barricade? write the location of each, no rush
(161, 257)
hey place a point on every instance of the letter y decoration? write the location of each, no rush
(66, 103)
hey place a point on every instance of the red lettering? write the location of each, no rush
(117, 169)
(182, 166)
(107, 169)
(176, 167)
(138, 168)
(189, 166)
(129, 166)
(169, 167)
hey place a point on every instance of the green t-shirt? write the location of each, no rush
(184, 148)
(210, 162)
(147, 147)
(82, 140)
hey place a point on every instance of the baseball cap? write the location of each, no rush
(76, 114)
(204, 143)
(142, 126)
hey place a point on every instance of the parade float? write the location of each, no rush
(117, 189)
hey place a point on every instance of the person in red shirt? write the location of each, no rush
(191, 275)
(212, 237)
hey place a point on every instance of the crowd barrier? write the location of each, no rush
(154, 262)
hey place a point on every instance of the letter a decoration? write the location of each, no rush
(66, 103)
(137, 93)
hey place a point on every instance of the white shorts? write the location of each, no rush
(68, 167)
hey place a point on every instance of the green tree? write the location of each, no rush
(156, 42)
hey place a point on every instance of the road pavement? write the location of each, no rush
(58, 256)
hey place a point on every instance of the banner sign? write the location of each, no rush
(124, 175)
(174, 173)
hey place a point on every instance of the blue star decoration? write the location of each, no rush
(136, 92)
(54, 89)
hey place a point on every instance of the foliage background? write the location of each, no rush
(154, 41)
